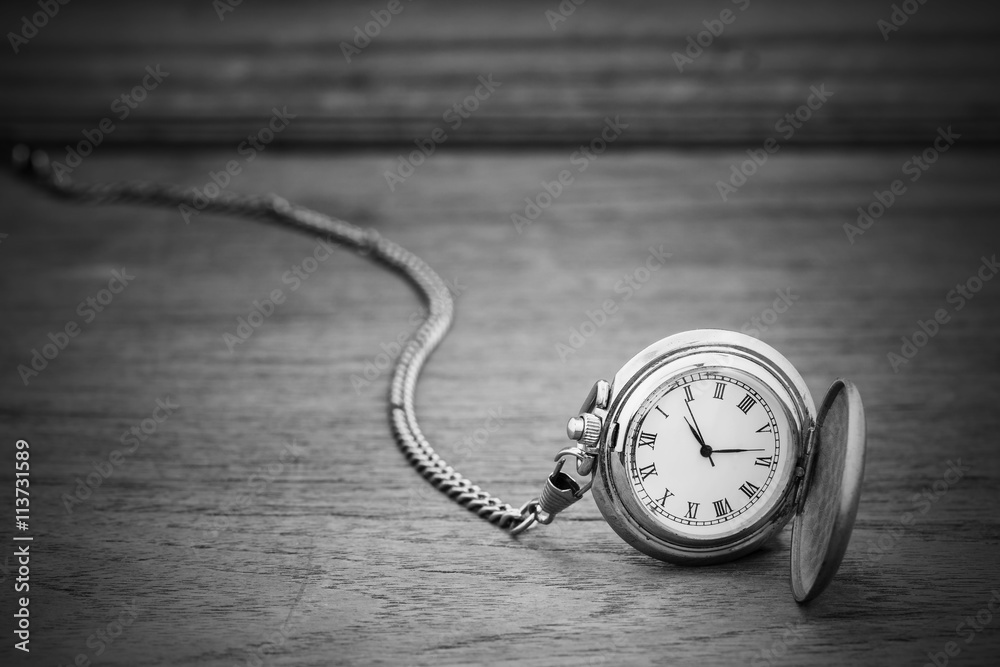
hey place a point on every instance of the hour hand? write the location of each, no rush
(733, 451)
(706, 451)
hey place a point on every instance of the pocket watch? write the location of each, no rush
(702, 447)
(707, 443)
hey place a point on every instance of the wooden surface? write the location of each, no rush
(348, 544)
(605, 58)
(272, 516)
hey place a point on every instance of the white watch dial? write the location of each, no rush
(706, 452)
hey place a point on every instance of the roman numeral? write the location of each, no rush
(692, 512)
(687, 393)
(666, 494)
(722, 507)
(749, 489)
(647, 439)
(763, 461)
(746, 404)
(720, 390)
(648, 470)
(766, 428)
(665, 415)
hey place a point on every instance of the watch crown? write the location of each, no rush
(585, 429)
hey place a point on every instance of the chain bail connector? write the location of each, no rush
(559, 492)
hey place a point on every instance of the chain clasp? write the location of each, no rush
(560, 491)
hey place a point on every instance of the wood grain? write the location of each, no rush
(271, 511)
(606, 59)
(269, 518)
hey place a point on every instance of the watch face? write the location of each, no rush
(708, 453)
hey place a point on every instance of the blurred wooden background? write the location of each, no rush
(604, 58)
(271, 518)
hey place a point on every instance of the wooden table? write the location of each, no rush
(270, 516)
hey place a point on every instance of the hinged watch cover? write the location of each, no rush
(822, 525)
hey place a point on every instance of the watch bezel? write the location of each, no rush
(645, 374)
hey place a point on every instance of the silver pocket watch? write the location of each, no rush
(706, 444)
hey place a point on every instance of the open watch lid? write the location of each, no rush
(831, 489)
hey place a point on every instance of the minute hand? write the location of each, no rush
(733, 451)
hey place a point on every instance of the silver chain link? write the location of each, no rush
(364, 241)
